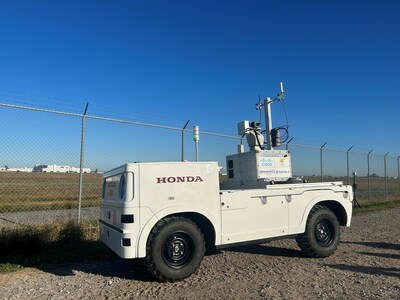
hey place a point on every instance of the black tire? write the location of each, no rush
(175, 249)
(322, 234)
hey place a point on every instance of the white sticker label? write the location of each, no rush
(274, 167)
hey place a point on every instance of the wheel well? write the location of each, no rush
(204, 224)
(337, 209)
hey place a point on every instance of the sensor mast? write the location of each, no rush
(268, 116)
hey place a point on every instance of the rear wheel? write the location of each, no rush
(175, 249)
(322, 234)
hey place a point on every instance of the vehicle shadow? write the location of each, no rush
(389, 246)
(134, 269)
(391, 272)
(384, 255)
(130, 269)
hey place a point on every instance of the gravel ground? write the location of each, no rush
(365, 266)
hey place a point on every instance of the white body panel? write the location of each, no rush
(277, 210)
(252, 215)
(163, 189)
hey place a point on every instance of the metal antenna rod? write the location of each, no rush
(268, 116)
(268, 122)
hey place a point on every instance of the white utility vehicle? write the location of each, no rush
(169, 213)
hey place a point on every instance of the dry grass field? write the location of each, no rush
(46, 191)
(43, 191)
(378, 194)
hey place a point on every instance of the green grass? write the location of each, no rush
(58, 254)
(8, 267)
(376, 207)
(49, 244)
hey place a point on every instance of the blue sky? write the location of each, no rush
(207, 61)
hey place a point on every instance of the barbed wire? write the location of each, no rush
(97, 109)
(176, 128)
(112, 119)
(40, 103)
(376, 153)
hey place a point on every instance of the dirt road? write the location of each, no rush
(365, 266)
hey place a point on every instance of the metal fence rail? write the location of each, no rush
(55, 137)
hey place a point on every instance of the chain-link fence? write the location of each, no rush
(41, 179)
(377, 175)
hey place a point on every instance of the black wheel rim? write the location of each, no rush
(324, 233)
(178, 250)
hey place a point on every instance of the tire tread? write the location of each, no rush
(308, 245)
(149, 261)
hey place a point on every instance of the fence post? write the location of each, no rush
(81, 164)
(348, 165)
(384, 162)
(369, 177)
(183, 141)
(322, 176)
(398, 171)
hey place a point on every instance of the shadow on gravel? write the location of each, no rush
(265, 250)
(391, 272)
(119, 268)
(135, 270)
(376, 245)
(384, 255)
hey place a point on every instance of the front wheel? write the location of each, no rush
(322, 234)
(175, 249)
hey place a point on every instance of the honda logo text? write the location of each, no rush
(179, 179)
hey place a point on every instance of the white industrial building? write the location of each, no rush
(5, 168)
(58, 169)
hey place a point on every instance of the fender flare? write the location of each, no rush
(319, 199)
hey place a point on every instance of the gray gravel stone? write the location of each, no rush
(366, 265)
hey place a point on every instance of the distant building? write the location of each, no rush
(7, 169)
(58, 169)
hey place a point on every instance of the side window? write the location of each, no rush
(117, 188)
(112, 187)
